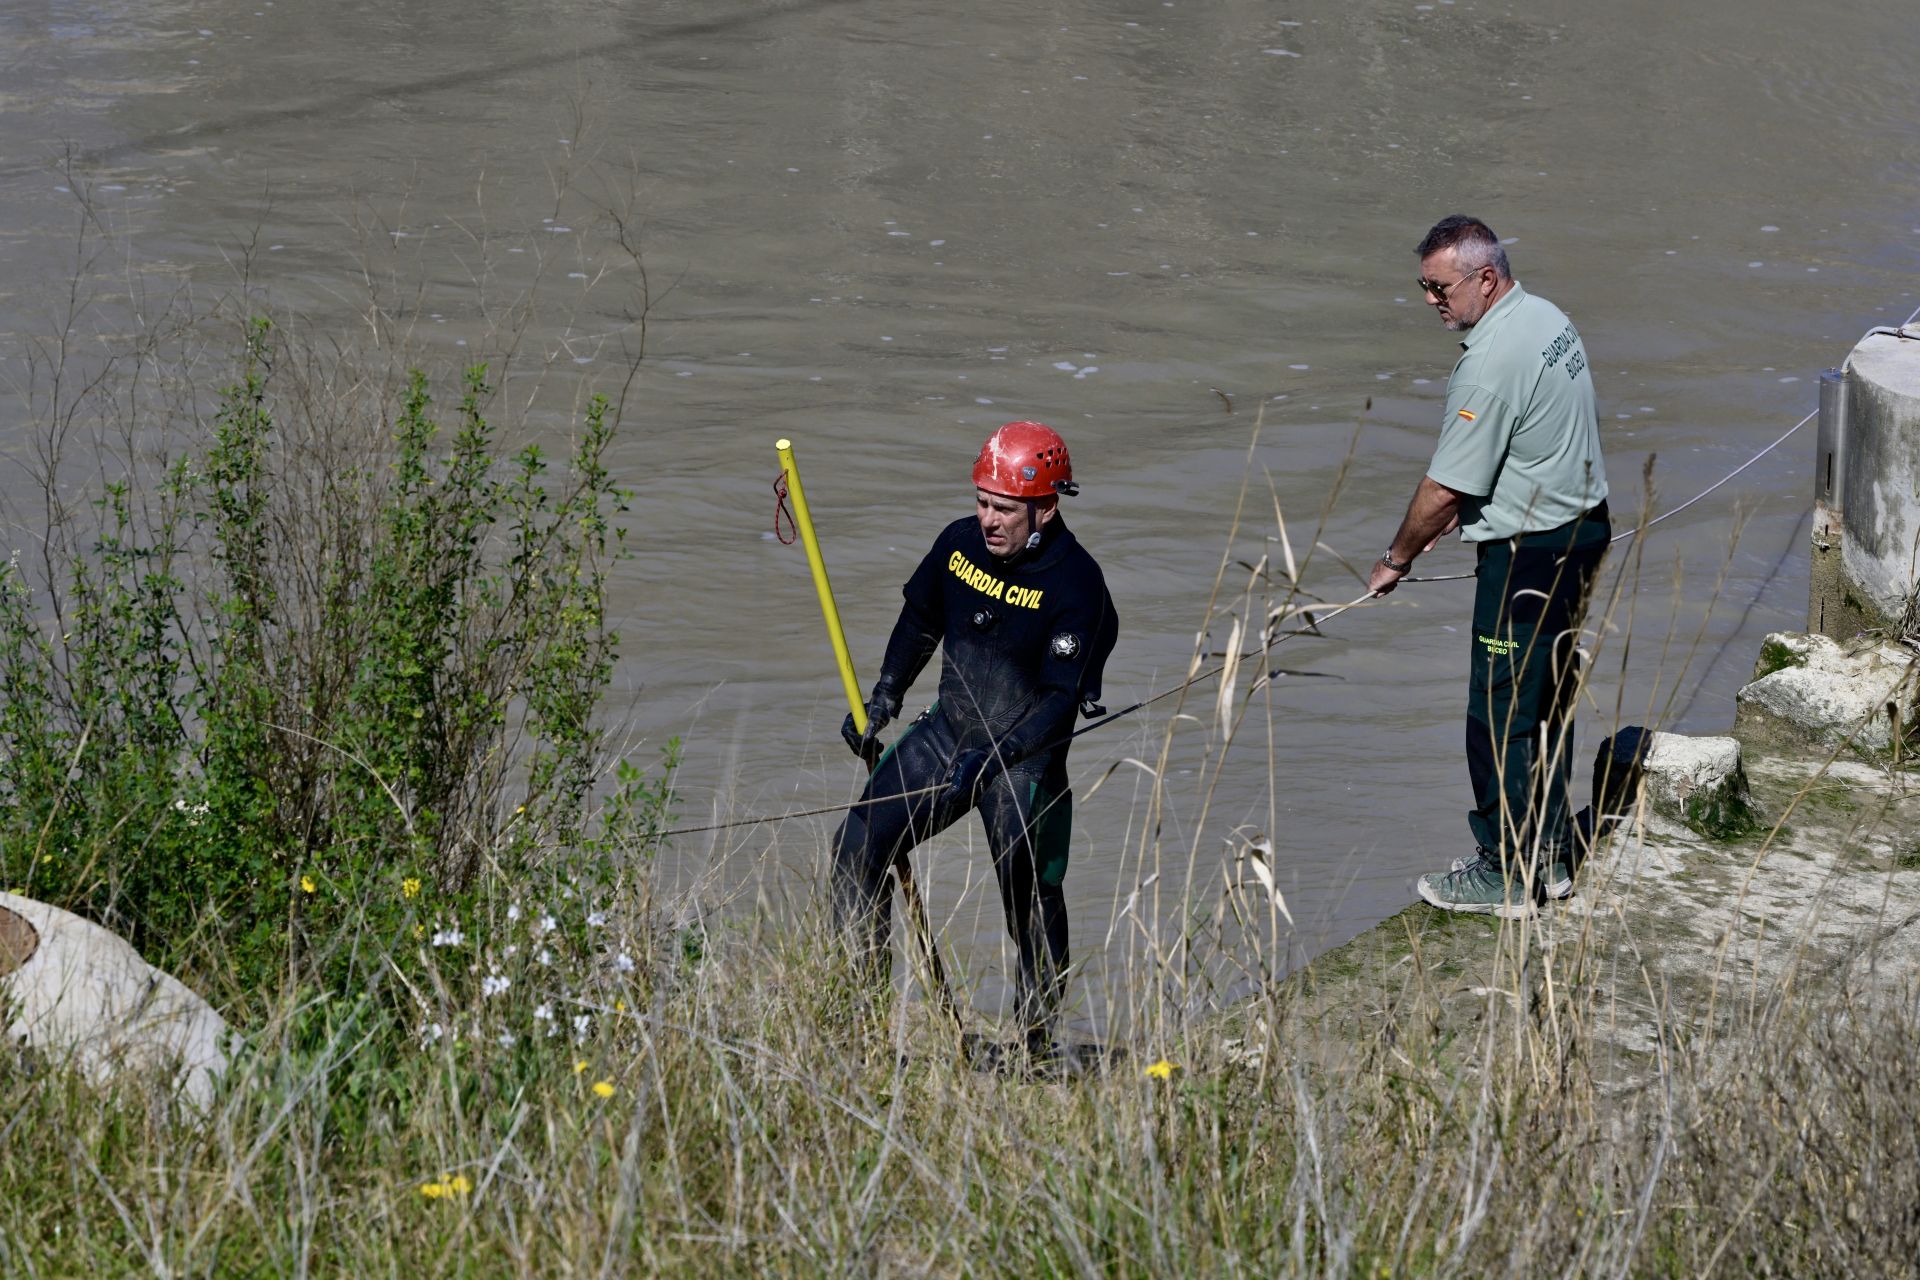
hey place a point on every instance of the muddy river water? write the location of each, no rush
(883, 229)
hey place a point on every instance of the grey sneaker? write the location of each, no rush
(1589, 829)
(1555, 878)
(1481, 888)
(1556, 875)
(1481, 854)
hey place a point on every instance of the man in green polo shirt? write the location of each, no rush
(1518, 471)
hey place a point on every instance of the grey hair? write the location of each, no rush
(1472, 241)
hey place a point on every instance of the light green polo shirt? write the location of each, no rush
(1521, 438)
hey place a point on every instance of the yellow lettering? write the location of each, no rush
(1024, 597)
(991, 587)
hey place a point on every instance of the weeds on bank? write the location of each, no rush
(316, 675)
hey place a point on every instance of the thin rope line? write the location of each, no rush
(1730, 475)
(802, 813)
(1628, 533)
(1314, 619)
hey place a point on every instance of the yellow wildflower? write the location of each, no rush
(1162, 1070)
(410, 887)
(307, 885)
(450, 1184)
(603, 1088)
(579, 1066)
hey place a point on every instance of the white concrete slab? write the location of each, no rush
(81, 995)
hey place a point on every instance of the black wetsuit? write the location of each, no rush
(1024, 641)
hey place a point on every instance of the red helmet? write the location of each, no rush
(1024, 460)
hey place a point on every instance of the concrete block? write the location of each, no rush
(1698, 782)
(1811, 694)
(80, 995)
(1882, 481)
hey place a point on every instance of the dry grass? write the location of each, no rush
(753, 1123)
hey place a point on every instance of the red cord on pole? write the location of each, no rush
(780, 510)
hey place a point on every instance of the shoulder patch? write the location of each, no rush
(1468, 414)
(1065, 645)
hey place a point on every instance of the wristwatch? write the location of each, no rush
(1398, 566)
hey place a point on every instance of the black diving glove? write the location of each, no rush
(971, 772)
(882, 707)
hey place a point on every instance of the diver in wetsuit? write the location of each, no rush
(1022, 615)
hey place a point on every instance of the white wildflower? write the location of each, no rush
(431, 1033)
(543, 1012)
(513, 911)
(495, 984)
(545, 956)
(448, 937)
(596, 919)
(548, 924)
(623, 962)
(505, 1039)
(582, 1024)
(513, 950)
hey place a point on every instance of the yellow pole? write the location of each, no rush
(902, 869)
(824, 589)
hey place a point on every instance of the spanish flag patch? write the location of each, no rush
(1468, 414)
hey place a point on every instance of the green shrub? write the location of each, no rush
(286, 675)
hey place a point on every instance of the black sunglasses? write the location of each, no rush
(1439, 291)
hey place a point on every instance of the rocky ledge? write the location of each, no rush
(1786, 853)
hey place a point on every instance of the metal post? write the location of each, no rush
(1826, 594)
(1830, 455)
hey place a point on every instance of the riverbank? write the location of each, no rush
(1671, 936)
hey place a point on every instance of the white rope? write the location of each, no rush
(1628, 533)
(1723, 479)
(1314, 614)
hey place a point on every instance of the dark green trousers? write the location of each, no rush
(1529, 598)
(1028, 811)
